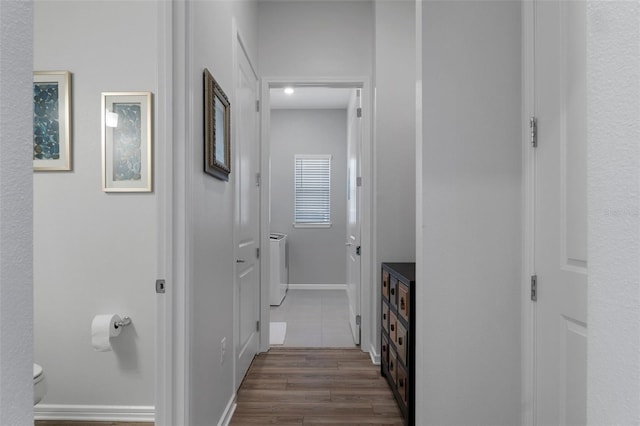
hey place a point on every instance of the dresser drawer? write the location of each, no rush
(385, 284)
(393, 365)
(385, 317)
(393, 327)
(402, 384)
(385, 351)
(401, 342)
(393, 291)
(403, 301)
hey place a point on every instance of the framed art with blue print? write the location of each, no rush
(52, 121)
(127, 142)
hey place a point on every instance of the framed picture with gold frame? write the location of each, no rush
(217, 129)
(127, 142)
(52, 121)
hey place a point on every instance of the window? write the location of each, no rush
(312, 191)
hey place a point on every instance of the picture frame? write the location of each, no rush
(217, 129)
(127, 142)
(52, 121)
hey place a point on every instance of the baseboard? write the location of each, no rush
(96, 413)
(228, 412)
(375, 357)
(318, 287)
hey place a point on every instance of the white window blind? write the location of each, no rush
(313, 190)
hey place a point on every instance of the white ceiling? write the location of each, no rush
(311, 98)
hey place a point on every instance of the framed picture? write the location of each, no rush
(127, 142)
(51, 120)
(217, 129)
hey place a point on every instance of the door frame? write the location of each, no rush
(528, 309)
(164, 251)
(367, 191)
(174, 118)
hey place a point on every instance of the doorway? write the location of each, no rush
(322, 306)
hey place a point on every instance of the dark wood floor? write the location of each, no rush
(83, 423)
(315, 386)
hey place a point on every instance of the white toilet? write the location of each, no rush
(39, 384)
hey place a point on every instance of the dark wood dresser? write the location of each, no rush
(397, 331)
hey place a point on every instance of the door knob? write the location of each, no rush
(240, 260)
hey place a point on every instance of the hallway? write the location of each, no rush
(315, 386)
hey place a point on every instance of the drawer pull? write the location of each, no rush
(400, 341)
(402, 303)
(393, 291)
(393, 327)
(384, 317)
(401, 382)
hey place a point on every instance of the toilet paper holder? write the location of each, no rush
(123, 323)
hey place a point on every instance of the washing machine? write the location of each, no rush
(279, 251)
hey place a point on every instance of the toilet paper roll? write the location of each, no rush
(103, 328)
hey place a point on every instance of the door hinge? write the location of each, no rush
(534, 288)
(358, 250)
(359, 112)
(258, 252)
(533, 131)
(161, 286)
(359, 181)
(358, 319)
(258, 179)
(257, 325)
(258, 105)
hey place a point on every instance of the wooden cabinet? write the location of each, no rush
(397, 329)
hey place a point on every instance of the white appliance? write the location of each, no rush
(279, 252)
(39, 384)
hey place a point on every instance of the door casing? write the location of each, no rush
(368, 188)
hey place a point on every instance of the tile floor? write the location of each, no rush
(315, 319)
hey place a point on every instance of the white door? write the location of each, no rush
(354, 142)
(247, 216)
(560, 215)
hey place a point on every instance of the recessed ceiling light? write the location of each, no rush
(289, 90)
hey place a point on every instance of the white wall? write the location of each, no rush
(613, 362)
(94, 252)
(211, 222)
(394, 127)
(316, 256)
(469, 270)
(315, 38)
(16, 218)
